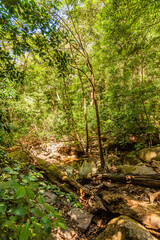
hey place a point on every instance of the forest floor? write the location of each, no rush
(63, 153)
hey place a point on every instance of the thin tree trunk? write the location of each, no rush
(85, 113)
(97, 117)
(84, 53)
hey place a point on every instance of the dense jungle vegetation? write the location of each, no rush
(85, 69)
(80, 68)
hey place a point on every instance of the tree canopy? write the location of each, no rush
(82, 69)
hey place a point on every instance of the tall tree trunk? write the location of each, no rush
(98, 124)
(85, 112)
(79, 48)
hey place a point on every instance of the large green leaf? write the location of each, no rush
(20, 192)
(20, 211)
(34, 185)
(24, 234)
(37, 212)
(44, 219)
(30, 193)
(48, 208)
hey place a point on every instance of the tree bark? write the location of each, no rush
(143, 180)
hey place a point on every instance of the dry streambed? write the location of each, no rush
(133, 209)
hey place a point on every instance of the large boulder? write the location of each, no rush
(139, 169)
(125, 228)
(149, 154)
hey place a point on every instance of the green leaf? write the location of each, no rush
(41, 200)
(48, 208)
(14, 185)
(17, 168)
(20, 211)
(8, 169)
(24, 234)
(9, 224)
(25, 179)
(2, 208)
(20, 192)
(30, 193)
(32, 177)
(61, 225)
(47, 227)
(37, 212)
(34, 185)
(44, 219)
(57, 215)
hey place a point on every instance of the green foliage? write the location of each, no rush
(20, 195)
(71, 197)
(44, 43)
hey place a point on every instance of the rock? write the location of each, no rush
(87, 168)
(69, 170)
(125, 228)
(81, 217)
(139, 169)
(49, 197)
(67, 234)
(143, 169)
(148, 154)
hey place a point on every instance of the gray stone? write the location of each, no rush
(139, 169)
(143, 170)
(125, 228)
(81, 217)
(87, 168)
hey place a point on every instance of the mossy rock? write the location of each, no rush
(125, 228)
(87, 168)
(19, 156)
(139, 169)
(130, 159)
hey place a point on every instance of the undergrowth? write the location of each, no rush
(24, 214)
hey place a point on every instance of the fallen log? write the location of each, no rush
(152, 180)
(54, 173)
(145, 213)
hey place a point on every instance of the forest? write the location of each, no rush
(79, 119)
